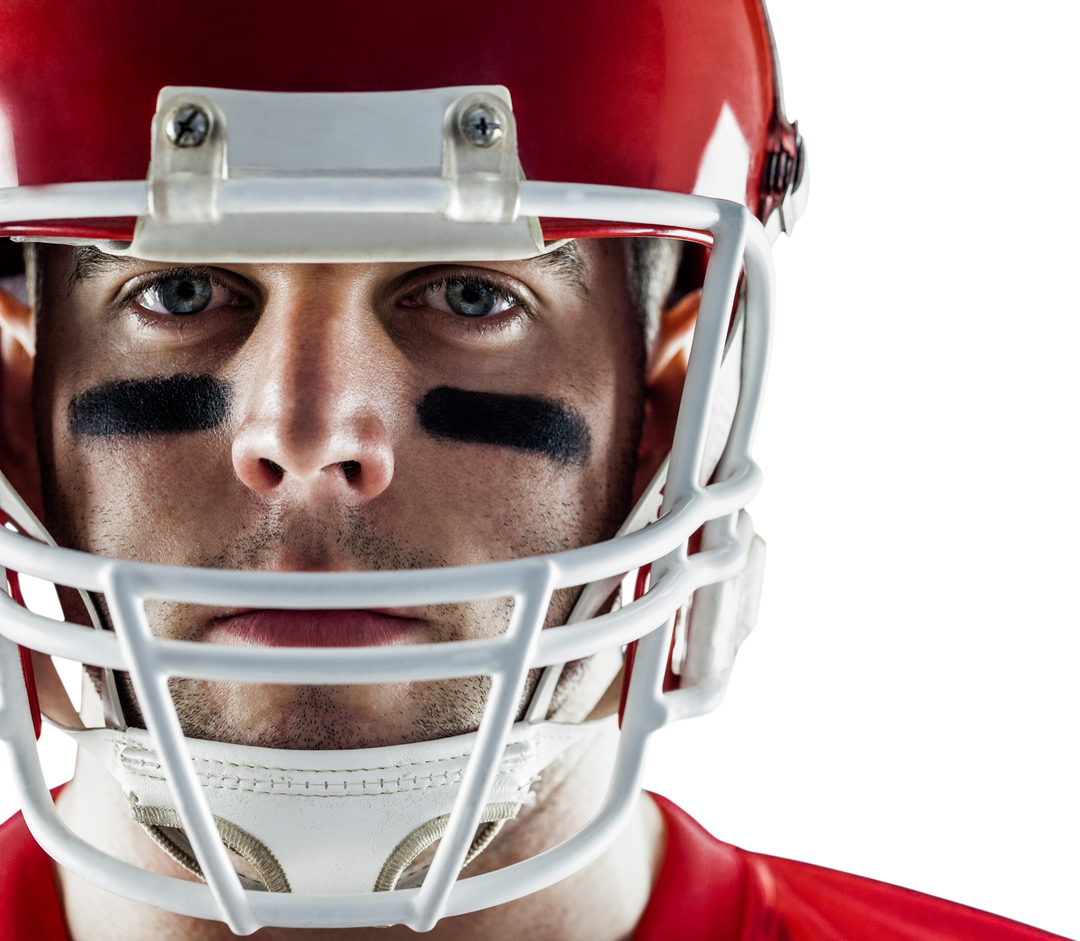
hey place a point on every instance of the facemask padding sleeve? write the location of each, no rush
(13, 510)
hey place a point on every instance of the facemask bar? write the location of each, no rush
(738, 238)
(17, 510)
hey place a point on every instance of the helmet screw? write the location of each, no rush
(482, 126)
(188, 126)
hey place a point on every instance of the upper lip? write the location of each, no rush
(411, 614)
(307, 627)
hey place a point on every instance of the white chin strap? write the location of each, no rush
(328, 822)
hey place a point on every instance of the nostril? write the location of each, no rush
(355, 463)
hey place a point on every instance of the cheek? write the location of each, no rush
(149, 499)
(462, 504)
(472, 503)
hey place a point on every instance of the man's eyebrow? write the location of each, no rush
(566, 262)
(89, 260)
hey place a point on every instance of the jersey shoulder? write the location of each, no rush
(29, 903)
(708, 889)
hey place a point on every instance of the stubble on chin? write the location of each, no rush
(332, 716)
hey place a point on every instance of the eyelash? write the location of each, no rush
(481, 324)
(158, 278)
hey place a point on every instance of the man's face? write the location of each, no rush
(332, 418)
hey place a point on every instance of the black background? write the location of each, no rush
(902, 710)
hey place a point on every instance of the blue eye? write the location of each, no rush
(179, 295)
(470, 298)
(185, 293)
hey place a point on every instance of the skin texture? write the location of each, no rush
(322, 463)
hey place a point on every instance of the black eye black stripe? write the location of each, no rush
(183, 403)
(175, 405)
(525, 422)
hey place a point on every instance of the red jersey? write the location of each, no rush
(29, 905)
(712, 891)
(706, 891)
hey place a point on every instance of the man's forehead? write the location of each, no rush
(566, 263)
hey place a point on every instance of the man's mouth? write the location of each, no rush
(334, 628)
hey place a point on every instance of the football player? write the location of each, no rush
(378, 391)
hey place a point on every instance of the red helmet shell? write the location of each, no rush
(620, 92)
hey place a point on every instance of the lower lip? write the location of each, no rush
(314, 629)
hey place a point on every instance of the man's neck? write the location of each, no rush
(602, 902)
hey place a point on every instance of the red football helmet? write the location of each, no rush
(200, 131)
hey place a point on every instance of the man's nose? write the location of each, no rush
(313, 424)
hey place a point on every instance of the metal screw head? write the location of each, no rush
(188, 126)
(482, 126)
